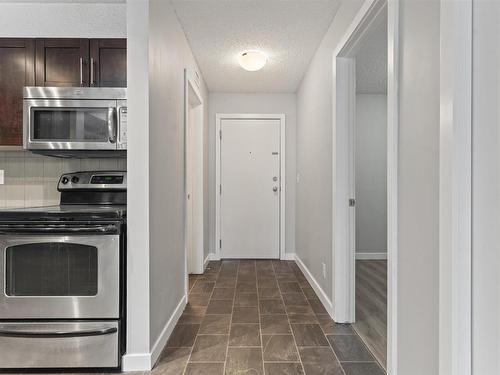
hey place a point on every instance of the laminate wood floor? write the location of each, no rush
(371, 306)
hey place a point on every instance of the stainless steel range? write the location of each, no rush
(62, 277)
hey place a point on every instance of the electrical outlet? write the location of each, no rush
(324, 270)
(1, 177)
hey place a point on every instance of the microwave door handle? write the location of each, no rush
(27, 229)
(112, 129)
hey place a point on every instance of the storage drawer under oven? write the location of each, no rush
(59, 344)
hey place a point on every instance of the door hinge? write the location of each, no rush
(220, 244)
(220, 134)
(220, 189)
(352, 202)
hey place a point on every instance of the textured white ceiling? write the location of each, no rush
(288, 31)
(371, 61)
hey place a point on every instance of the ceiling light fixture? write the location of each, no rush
(252, 60)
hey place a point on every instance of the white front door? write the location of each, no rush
(250, 188)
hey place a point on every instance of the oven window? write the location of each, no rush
(51, 269)
(70, 124)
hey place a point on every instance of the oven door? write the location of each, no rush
(70, 124)
(55, 274)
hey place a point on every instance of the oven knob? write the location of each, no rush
(75, 179)
(64, 180)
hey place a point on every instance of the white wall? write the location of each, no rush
(170, 54)
(418, 206)
(64, 20)
(371, 173)
(417, 306)
(485, 189)
(158, 53)
(257, 103)
(314, 153)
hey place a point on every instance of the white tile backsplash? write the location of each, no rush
(30, 180)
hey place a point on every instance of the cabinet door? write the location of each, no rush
(62, 62)
(17, 69)
(108, 62)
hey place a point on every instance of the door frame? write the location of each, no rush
(191, 82)
(249, 116)
(344, 97)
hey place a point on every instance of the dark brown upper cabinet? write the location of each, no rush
(108, 62)
(17, 69)
(62, 62)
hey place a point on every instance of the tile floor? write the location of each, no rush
(260, 317)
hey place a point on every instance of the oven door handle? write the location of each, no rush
(54, 334)
(35, 229)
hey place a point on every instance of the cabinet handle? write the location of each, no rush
(81, 71)
(92, 79)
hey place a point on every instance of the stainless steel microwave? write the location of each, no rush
(67, 121)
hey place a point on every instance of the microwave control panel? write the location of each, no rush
(122, 144)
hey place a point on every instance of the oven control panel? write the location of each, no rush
(93, 180)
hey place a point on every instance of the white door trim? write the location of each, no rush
(249, 116)
(455, 189)
(343, 279)
(191, 80)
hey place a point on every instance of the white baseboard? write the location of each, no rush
(288, 256)
(205, 262)
(323, 297)
(146, 361)
(371, 256)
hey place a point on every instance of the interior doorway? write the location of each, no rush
(365, 179)
(194, 175)
(250, 189)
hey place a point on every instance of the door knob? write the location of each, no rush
(275, 178)
(275, 189)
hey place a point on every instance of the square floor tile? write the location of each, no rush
(309, 335)
(200, 299)
(172, 361)
(325, 368)
(243, 361)
(289, 287)
(246, 300)
(309, 293)
(350, 348)
(365, 368)
(317, 354)
(269, 293)
(246, 287)
(245, 315)
(274, 324)
(183, 335)
(298, 309)
(223, 294)
(209, 348)
(219, 307)
(204, 369)
(244, 335)
(295, 299)
(215, 325)
(267, 283)
(271, 306)
(284, 368)
(302, 318)
(317, 306)
(203, 287)
(225, 282)
(279, 348)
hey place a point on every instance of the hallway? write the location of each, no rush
(260, 317)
